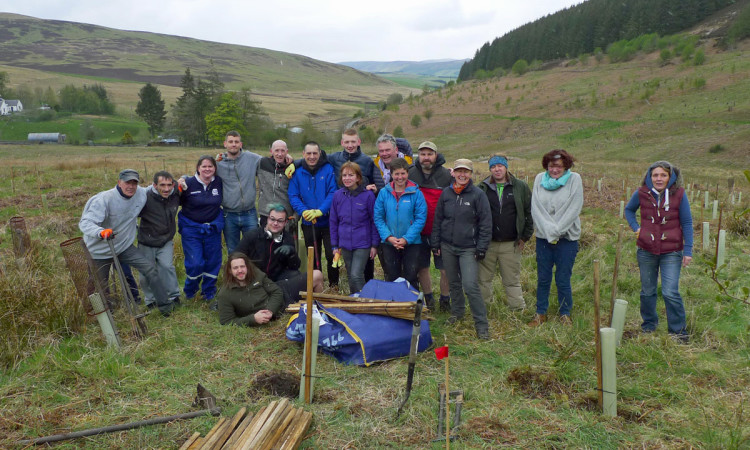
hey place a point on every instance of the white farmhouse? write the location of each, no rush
(3, 108)
(14, 105)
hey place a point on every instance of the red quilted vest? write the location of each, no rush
(660, 229)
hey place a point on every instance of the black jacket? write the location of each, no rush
(158, 223)
(260, 249)
(463, 220)
(522, 198)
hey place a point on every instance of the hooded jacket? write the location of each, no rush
(431, 185)
(261, 248)
(666, 222)
(158, 218)
(238, 304)
(463, 220)
(370, 172)
(313, 188)
(273, 185)
(352, 225)
(238, 175)
(402, 218)
(522, 200)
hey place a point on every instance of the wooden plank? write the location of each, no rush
(228, 429)
(287, 433)
(190, 441)
(212, 432)
(235, 436)
(255, 425)
(268, 427)
(299, 432)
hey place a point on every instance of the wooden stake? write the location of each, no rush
(447, 404)
(615, 272)
(308, 326)
(209, 439)
(235, 436)
(228, 430)
(12, 180)
(597, 338)
(718, 232)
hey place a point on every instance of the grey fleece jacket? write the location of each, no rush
(109, 209)
(238, 176)
(556, 213)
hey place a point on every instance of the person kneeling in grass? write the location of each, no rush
(248, 297)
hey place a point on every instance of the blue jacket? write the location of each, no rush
(370, 172)
(313, 189)
(352, 224)
(404, 218)
(202, 203)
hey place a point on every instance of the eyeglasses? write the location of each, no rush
(276, 220)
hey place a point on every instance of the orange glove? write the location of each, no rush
(106, 233)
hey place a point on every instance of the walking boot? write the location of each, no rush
(538, 320)
(445, 303)
(429, 301)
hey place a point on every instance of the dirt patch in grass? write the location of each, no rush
(627, 412)
(489, 429)
(536, 383)
(282, 384)
(630, 334)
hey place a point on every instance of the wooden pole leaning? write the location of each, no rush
(597, 337)
(309, 324)
(615, 273)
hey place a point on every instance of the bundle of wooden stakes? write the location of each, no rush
(359, 305)
(276, 426)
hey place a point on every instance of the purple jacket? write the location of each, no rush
(351, 221)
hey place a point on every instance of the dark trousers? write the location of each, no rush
(401, 263)
(317, 237)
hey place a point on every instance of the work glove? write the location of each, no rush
(107, 233)
(290, 171)
(291, 226)
(284, 250)
(220, 156)
(479, 255)
(312, 214)
(337, 261)
(436, 251)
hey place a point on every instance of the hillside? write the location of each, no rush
(65, 49)
(633, 111)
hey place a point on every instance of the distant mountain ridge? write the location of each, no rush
(434, 67)
(92, 50)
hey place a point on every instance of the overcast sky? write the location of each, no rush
(334, 31)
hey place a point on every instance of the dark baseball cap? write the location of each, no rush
(129, 174)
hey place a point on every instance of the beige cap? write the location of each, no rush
(463, 164)
(428, 144)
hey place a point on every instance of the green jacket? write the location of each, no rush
(522, 197)
(238, 304)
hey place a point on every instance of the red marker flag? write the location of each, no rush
(441, 352)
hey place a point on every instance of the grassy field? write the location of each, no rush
(524, 388)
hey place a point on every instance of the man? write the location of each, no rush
(156, 231)
(431, 177)
(387, 152)
(352, 151)
(272, 250)
(512, 226)
(273, 185)
(237, 169)
(112, 214)
(311, 193)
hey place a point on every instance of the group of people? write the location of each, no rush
(405, 209)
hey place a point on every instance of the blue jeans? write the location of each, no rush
(355, 261)
(561, 256)
(236, 223)
(670, 265)
(462, 269)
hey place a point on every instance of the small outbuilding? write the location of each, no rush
(47, 138)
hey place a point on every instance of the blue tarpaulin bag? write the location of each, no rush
(363, 339)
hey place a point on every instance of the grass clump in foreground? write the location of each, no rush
(524, 388)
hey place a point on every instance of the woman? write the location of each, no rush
(665, 244)
(353, 233)
(248, 297)
(200, 224)
(311, 193)
(400, 215)
(556, 202)
(461, 235)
